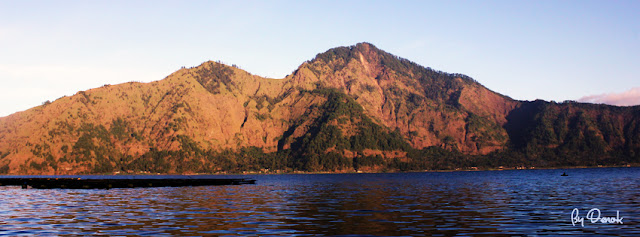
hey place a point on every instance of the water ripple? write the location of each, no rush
(519, 202)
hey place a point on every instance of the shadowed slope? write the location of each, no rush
(349, 108)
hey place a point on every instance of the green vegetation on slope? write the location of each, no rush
(213, 76)
(175, 126)
(573, 134)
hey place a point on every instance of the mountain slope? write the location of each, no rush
(350, 108)
(426, 106)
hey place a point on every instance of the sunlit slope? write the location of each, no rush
(350, 108)
(123, 122)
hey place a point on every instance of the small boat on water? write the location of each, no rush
(108, 183)
(564, 174)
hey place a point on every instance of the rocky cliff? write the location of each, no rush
(350, 108)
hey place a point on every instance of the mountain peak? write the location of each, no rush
(345, 53)
(352, 107)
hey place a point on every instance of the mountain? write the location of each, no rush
(350, 108)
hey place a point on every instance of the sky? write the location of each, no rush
(552, 50)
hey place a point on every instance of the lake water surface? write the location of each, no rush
(512, 202)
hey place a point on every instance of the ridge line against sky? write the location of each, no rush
(551, 50)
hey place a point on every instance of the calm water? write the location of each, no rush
(537, 202)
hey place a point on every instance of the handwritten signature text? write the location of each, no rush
(594, 216)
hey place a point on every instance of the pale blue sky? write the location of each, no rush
(552, 50)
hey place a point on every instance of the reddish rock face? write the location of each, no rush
(216, 107)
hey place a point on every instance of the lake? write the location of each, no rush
(509, 202)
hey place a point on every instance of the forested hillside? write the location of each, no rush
(349, 109)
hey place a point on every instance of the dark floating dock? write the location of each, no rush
(108, 183)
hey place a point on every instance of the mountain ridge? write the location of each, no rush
(349, 108)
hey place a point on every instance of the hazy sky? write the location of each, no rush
(551, 50)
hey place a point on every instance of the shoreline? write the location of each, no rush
(467, 169)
